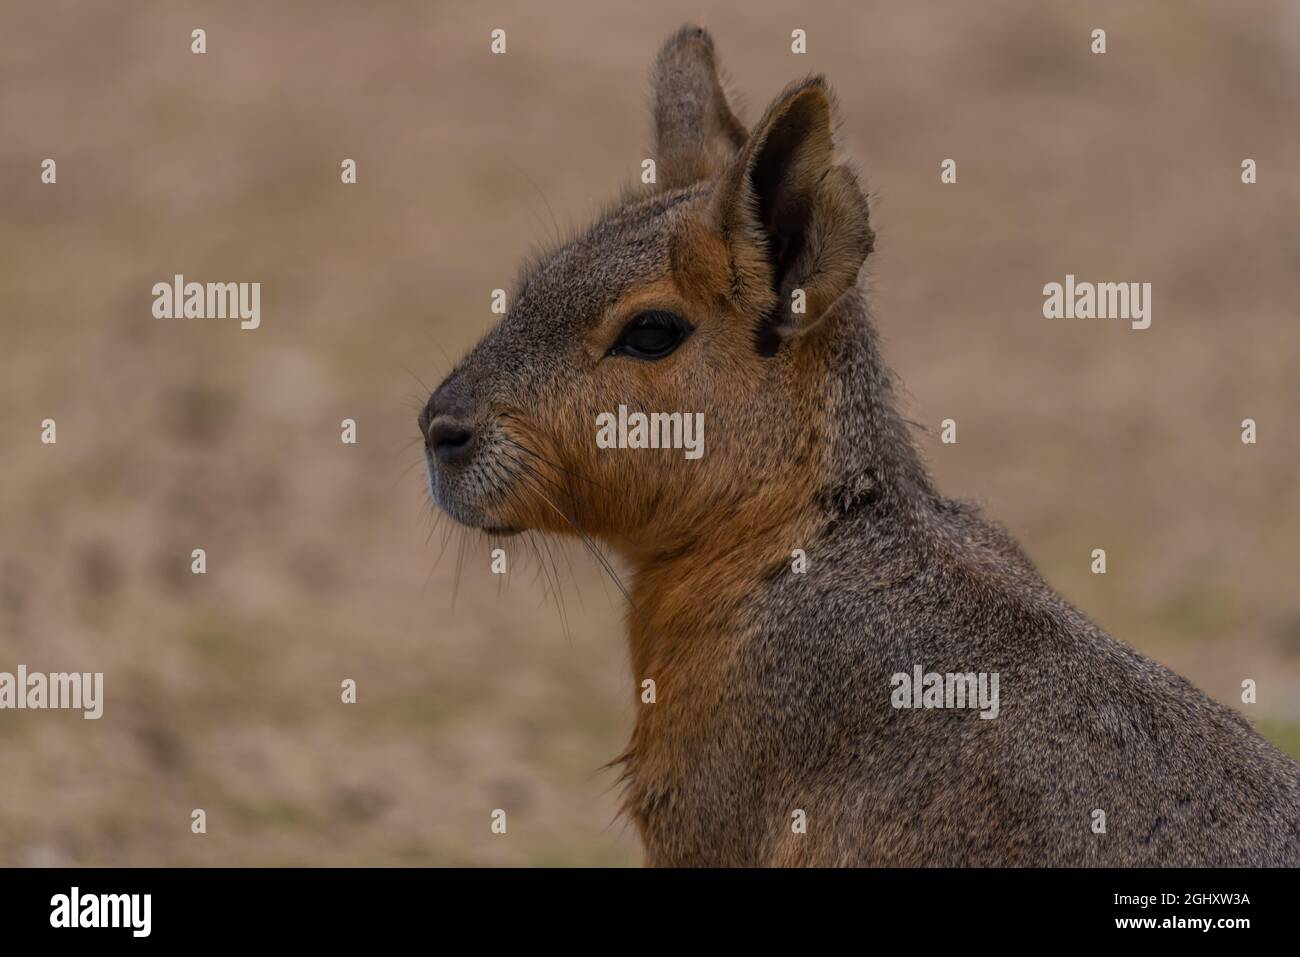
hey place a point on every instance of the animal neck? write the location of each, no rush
(872, 456)
(686, 599)
(693, 607)
(690, 592)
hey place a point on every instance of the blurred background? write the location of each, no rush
(223, 690)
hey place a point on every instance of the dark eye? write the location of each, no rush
(651, 335)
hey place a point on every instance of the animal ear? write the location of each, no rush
(696, 134)
(796, 221)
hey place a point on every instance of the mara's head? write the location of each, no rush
(666, 371)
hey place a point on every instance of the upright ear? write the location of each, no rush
(794, 220)
(696, 134)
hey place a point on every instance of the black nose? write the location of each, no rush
(450, 440)
(445, 427)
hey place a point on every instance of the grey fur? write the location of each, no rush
(900, 576)
(897, 577)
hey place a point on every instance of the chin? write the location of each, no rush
(467, 514)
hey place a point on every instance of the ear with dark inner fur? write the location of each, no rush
(696, 134)
(792, 217)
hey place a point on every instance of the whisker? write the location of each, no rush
(553, 580)
(596, 553)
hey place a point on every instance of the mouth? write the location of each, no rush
(466, 513)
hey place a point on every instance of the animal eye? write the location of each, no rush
(651, 335)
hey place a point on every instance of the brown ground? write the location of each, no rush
(223, 691)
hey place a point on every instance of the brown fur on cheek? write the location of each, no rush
(654, 500)
(539, 492)
(559, 480)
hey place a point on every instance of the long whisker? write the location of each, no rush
(553, 580)
(437, 345)
(528, 472)
(418, 380)
(550, 212)
(541, 458)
